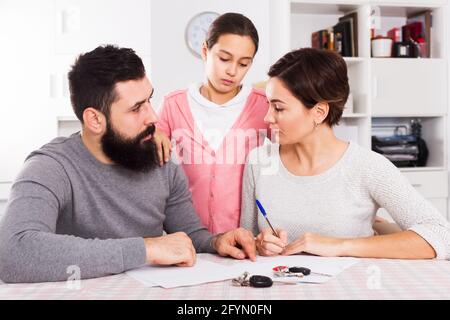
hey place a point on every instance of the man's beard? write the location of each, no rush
(130, 153)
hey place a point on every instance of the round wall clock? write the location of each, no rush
(196, 31)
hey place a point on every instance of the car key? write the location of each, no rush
(256, 281)
(306, 271)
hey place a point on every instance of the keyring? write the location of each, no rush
(280, 271)
(280, 268)
(285, 271)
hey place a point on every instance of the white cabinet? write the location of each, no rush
(409, 87)
(26, 118)
(82, 25)
(433, 185)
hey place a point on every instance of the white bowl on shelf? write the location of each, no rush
(381, 47)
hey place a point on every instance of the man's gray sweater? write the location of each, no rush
(68, 209)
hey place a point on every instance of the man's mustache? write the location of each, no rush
(149, 131)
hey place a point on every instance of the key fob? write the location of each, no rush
(260, 281)
(303, 270)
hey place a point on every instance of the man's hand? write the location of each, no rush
(163, 146)
(175, 248)
(316, 244)
(238, 243)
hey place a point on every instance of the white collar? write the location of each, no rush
(194, 93)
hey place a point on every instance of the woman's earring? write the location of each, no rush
(315, 125)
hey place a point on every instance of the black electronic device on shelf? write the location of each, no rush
(403, 150)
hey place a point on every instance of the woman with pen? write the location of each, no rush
(321, 193)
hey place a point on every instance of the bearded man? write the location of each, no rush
(99, 199)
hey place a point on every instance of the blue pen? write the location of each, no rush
(261, 208)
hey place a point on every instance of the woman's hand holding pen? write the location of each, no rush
(268, 244)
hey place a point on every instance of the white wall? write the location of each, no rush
(39, 42)
(25, 115)
(173, 66)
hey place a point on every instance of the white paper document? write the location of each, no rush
(211, 268)
(172, 276)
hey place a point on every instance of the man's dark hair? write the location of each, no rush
(94, 75)
(231, 23)
(313, 76)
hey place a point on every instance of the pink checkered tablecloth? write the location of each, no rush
(368, 279)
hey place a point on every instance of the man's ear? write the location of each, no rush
(321, 110)
(94, 120)
(204, 51)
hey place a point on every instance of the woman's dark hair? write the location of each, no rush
(231, 23)
(314, 75)
(93, 77)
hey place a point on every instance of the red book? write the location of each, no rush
(315, 40)
(412, 31)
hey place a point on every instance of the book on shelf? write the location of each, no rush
(341, 37)
(343, 31)
(353, 18)
(323, 39)
(419, 26)
(412, 31)
(315, 40)
(320, 39)
(330, 44)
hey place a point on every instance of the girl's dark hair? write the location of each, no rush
(231, 23)
(93, 77)
(314, 75)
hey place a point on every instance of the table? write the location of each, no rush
(368, 279)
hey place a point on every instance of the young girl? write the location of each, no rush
(321, 192)
(216, 123)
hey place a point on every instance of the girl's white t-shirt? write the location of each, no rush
(213, 120)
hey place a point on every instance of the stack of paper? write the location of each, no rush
(211, 268)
